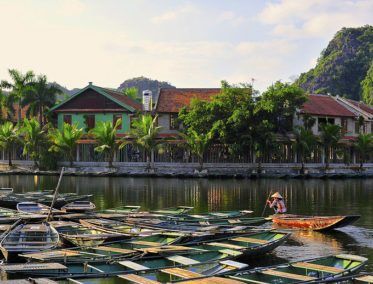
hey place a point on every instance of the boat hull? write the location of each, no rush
(317, 223)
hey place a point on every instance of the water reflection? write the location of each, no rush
(306, 197)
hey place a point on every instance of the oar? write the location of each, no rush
(55, 194)
(266, 202)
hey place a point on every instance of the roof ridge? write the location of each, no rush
(119, 93)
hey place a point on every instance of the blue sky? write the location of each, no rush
(187, 43)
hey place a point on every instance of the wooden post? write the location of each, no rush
(55, 194)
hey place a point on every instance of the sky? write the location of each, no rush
(190, 44)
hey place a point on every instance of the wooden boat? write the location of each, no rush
(126, 209)
(307, 271)
(115, 250)
(76, 234)
(5, 190)
(29, 238)
(34, 208)
(117, 227)
(316, 223)
(196, 264)
(366, 278)
(78, 206)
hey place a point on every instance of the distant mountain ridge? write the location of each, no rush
(343, 67)
(141, 83)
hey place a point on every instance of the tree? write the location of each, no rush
(105, 136)
(305, 143)
(196, 143)
(278, 105)
(367, 86)
(20, 86)
(40, 98)
(34, 139)
(66, 140)
(145, 134)
(9, 136)
(264, 142)
(331, 135)
(363, 145)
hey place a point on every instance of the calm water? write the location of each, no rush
(308, 197)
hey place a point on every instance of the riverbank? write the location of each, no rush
(184, 170)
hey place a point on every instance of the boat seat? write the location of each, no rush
(317, 267)
(33, 266)
(198, 216)
(250, 240)
(182, 273)
(223, 245)
(235, 221)
(366, 278)
(216, 280)
(137, 279)
(163, 248)
(219, 214)
(120, 250)
(230, 252)
(287, 275)
(133, 265)
(147, 243)
(234, 264)
(182, 259)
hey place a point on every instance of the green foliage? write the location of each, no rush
(41, 97)
(9, 137)
(144, 135)
(65, 141)
(364, 146)
(196, 143)
(22, 84)
(331, 135)
(34, 139)
(367, 86)
(343, 65)
(104, 134)
(305, 143)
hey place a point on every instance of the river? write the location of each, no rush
(307, 197)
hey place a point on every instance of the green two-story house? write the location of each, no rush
(92, 104)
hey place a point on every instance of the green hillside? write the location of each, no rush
(342, 68)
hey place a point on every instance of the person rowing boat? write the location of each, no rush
(277, 204)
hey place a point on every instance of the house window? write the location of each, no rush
(324, 120)
(67, 118)
(173, 122)
(344, 124)
(116, 117)
(91, 121)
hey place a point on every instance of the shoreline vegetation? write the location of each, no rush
(235, 172)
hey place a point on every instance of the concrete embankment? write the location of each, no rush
(188, 170)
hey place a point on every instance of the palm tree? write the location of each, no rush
(197, 143)
(363, 145)
(66, 140)
(105, 136)
(34, 138)
(41, 97)
(330, 136)
(305, 143)
(9, 136)
(145, 134)
(20, 86)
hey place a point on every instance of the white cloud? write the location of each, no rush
(71, 7)
(231, 18)
(315, 18)
(172, 15)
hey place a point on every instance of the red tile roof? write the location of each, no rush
(172, 100)
(362, 106)
(122, 98)
(325, 105)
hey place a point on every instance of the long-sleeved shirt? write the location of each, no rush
(279, 205)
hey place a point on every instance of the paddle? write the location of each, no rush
(269, 196)
(55, 194)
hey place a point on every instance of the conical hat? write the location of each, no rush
(278, 195)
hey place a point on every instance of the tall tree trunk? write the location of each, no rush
(200, 160)
(302, 167)
(10, 157)
(148, 166)
(19, 110)
(40, 114)
(327, 154)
